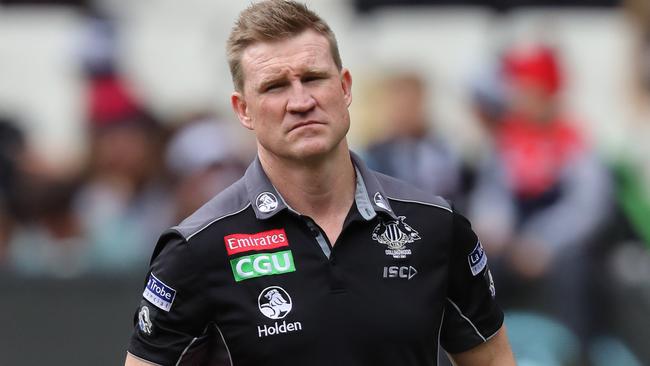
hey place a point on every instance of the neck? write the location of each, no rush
(318, 189)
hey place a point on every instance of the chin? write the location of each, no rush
(310, 153)
(312, 150)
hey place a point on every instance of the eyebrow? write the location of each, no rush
(271, 80)
(282, 78)
(317, 73)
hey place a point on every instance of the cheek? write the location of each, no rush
(335, 100)
(269, 109)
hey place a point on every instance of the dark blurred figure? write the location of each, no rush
(203, 159)
(40, 234)
(638, 12)
(628, 262)
(124, 202)
(633, 166)
(47, 240)
(488, 97)
(412, 151)
(542, 197)
(12, 148)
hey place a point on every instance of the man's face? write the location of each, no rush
(295, 99)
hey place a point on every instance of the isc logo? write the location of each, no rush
(400, 272)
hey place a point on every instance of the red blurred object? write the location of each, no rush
(536, 155)
(536, 66)
(110, 101)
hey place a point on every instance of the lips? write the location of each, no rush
(305, 123)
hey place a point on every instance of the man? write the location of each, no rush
(412, 150)
(311, 258)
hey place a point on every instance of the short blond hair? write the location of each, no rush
(273, 20)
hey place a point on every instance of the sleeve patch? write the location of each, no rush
(477, 259)
(159, 294)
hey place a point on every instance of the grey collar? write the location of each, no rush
(267, 201)
(369, 196)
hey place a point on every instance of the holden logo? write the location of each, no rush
(266, 202)
(274, 302)
(380, 201)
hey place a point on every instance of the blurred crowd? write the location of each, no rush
(140, 176)
(567, 231)
(565, 228)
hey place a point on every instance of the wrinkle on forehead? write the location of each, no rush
(266, 60)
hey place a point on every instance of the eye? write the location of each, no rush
(273, 86)
(310, 78)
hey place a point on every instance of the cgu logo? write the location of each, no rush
(266, 264)
(400, 272)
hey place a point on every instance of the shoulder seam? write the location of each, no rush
(422, 203)
(217, 219)
(225, 344)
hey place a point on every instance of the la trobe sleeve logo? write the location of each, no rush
(159, 294)
(477, 259)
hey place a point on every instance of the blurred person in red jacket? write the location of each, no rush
(123, 202)
(543, 194)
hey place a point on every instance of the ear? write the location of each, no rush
(346, 85)
(240, 108)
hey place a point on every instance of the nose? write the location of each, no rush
(300, 100)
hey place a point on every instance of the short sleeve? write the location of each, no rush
(471, 314)
(173, 310)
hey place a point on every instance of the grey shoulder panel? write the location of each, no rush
(398, 190)
(229, 202)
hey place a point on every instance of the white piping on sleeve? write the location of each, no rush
(225, 344)
(442, 319)
(493, 334)
(466, 318)
(185, 350)
(420, 202)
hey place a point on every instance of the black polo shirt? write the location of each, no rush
(248, 272)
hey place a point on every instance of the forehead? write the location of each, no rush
(307, 50)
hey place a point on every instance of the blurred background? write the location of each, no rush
(532, 116)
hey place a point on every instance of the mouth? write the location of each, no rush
(304, 124)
